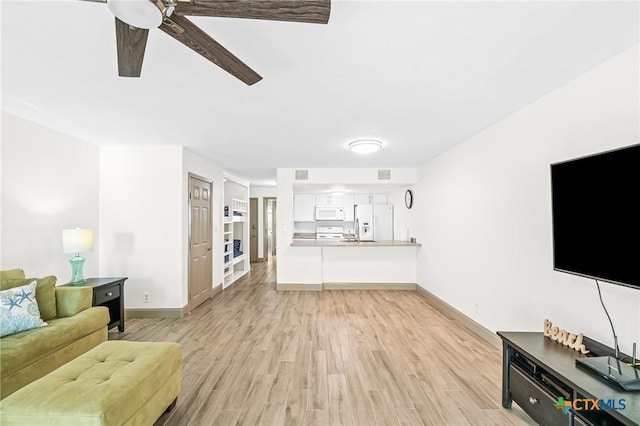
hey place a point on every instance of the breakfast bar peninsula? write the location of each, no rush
(351, 265)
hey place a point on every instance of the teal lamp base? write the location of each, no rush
(77, 262)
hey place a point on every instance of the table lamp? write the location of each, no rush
(77, 241)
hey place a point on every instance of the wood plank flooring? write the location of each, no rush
(254, 356)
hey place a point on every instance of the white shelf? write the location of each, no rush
(238, 205)
(235, 228)
(233, 276)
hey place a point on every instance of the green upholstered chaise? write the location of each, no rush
(74, 327)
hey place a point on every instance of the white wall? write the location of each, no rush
(262, 192)
(483, 211)
(49, 183)
(141, 223)
(355, 176)
(402, 216)
(134, 198)
(369, 265)
(235, 187)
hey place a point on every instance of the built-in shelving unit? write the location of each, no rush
(235, 231)
(228, 248)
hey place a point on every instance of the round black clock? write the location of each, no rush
(408, 198)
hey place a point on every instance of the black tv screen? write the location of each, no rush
(596, 216)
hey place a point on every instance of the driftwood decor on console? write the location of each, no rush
(555, 333)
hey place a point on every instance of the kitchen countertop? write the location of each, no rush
(304, 236)
(338, 243)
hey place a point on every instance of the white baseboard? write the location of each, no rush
(156, 313)
(369, 286)
(167, 312)
(346, 286)
(299, 287)
(484, 333)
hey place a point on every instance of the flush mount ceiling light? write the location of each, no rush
(365, 146)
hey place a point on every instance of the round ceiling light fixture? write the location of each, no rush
(365, 146)
(138, 13)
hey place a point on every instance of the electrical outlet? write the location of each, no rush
(146, 298)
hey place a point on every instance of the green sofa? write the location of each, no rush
(74, 327)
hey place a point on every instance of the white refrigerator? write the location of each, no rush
(374, 222)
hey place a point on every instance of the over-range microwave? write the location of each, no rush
(329, 213)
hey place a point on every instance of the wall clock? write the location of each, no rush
(408, 198)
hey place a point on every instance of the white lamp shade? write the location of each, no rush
(77, 240)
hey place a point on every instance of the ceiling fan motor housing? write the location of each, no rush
(138, 13)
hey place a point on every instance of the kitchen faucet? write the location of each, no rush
(357, 230)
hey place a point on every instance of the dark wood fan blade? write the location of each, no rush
(131, 42)
(312, 11)
(187, 33)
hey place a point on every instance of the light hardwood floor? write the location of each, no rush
(255, 356)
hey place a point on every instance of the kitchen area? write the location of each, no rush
(348, 236)
(339, 217)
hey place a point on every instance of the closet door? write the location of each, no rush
(200, 236)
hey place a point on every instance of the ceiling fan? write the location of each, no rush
(134, 18)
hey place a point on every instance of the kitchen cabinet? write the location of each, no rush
(329, 200)
(377, 198)
(304, 207)
(360, 199)
(348, 208)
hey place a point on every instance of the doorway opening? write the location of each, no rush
(253, 229)
(269, 228)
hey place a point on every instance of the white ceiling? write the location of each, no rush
(421, 76)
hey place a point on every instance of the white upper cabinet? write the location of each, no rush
(348, 208)
(304, 207)
(360, 199)
(329, 200)
(378, 198)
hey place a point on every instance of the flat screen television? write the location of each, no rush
(596, 216)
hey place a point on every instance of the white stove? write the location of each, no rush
(329, 232)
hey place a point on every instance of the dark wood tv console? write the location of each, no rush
(537, 371)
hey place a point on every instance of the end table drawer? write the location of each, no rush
(105, 294)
